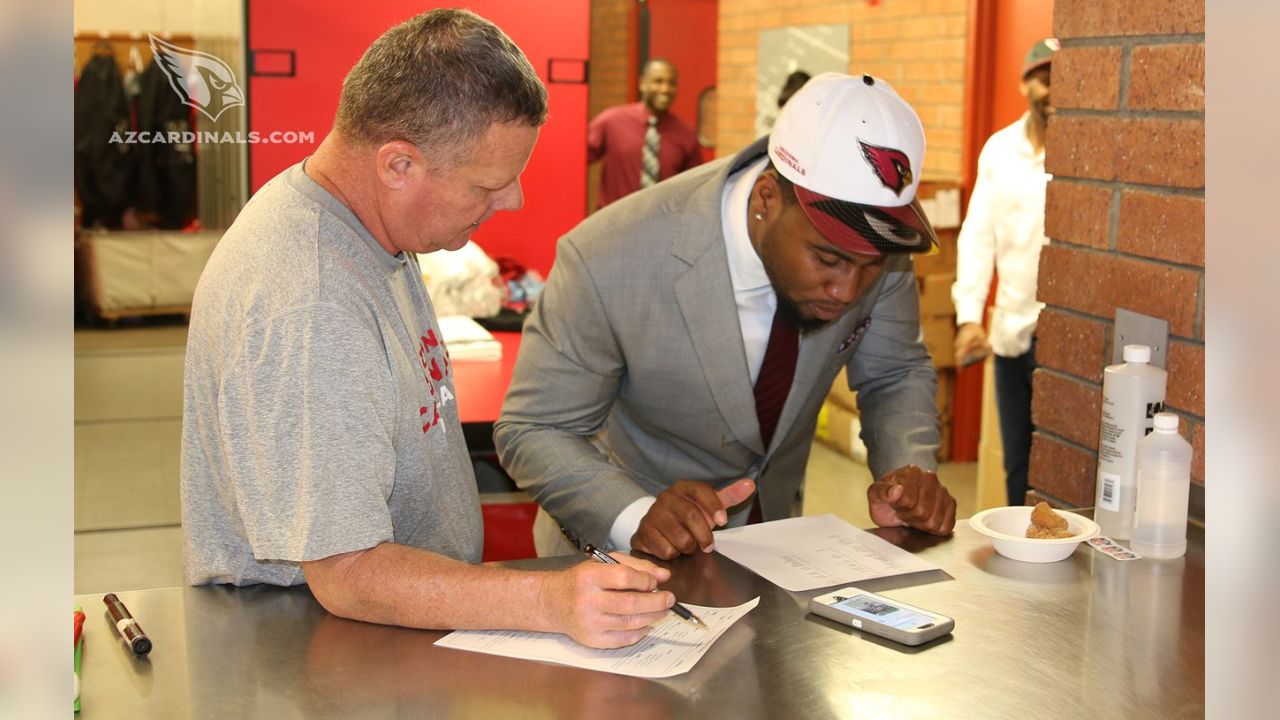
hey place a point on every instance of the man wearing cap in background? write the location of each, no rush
(1004, 230)
(642, 143)
(676, 361)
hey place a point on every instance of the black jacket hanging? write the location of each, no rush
(166, 171)
(103, 170)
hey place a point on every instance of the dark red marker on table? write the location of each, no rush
(128, 628)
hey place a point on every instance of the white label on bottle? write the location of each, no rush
(1109, 498)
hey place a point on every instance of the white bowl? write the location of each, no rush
(1007, 528)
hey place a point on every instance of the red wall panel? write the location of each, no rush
(328, 37)
(685, 32)
(1001, 32)
(1019, 23)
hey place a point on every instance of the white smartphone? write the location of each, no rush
(881, 616)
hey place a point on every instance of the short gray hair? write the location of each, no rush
(439, 81)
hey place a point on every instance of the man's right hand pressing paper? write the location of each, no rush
(681, 520)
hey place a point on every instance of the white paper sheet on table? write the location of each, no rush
(804, 553)
(467, 339)
(671, 648)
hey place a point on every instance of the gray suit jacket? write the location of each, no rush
(632, 373)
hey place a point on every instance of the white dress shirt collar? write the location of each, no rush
(746, 271)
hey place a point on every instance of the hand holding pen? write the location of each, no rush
(681, 611)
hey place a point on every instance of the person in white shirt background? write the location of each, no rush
(1004, 231)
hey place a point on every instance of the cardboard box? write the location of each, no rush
(939, 339)
(843, 428)
(941, 202)
(837, 426)
(944, 261)
(946, 390)
(935, 295)
(841, 395)
(820, 430)
(823, 431)
(944, 450)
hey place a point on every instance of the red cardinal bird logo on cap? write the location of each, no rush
(891, 166)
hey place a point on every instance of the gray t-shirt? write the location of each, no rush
(319, 413)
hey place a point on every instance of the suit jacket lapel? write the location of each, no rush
(705, 296)
(712, 318)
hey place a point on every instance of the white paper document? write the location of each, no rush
(811, 552)
(671, 648)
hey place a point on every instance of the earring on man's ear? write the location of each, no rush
(759, 216)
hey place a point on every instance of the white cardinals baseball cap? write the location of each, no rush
(854, 151)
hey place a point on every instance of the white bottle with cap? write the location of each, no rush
(1132, 394)
(1164, 485)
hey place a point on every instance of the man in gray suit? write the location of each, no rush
(688, 334)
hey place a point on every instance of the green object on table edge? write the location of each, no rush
(78, 619)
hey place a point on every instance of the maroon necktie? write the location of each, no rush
(772, 386)
(776, 374)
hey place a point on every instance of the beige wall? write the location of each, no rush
(919, 46)
(197, 17)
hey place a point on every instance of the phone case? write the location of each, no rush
(942, 624)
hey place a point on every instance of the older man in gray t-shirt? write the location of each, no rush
(333, 415)
(321, 441)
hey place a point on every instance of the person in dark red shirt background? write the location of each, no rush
(618, 137)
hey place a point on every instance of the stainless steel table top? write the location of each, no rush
(1086, 637)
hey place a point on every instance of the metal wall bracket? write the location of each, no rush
(1137, 329)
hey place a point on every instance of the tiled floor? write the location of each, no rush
(115, 560)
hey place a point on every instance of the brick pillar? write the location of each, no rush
(1125, 214)
(612, 70)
